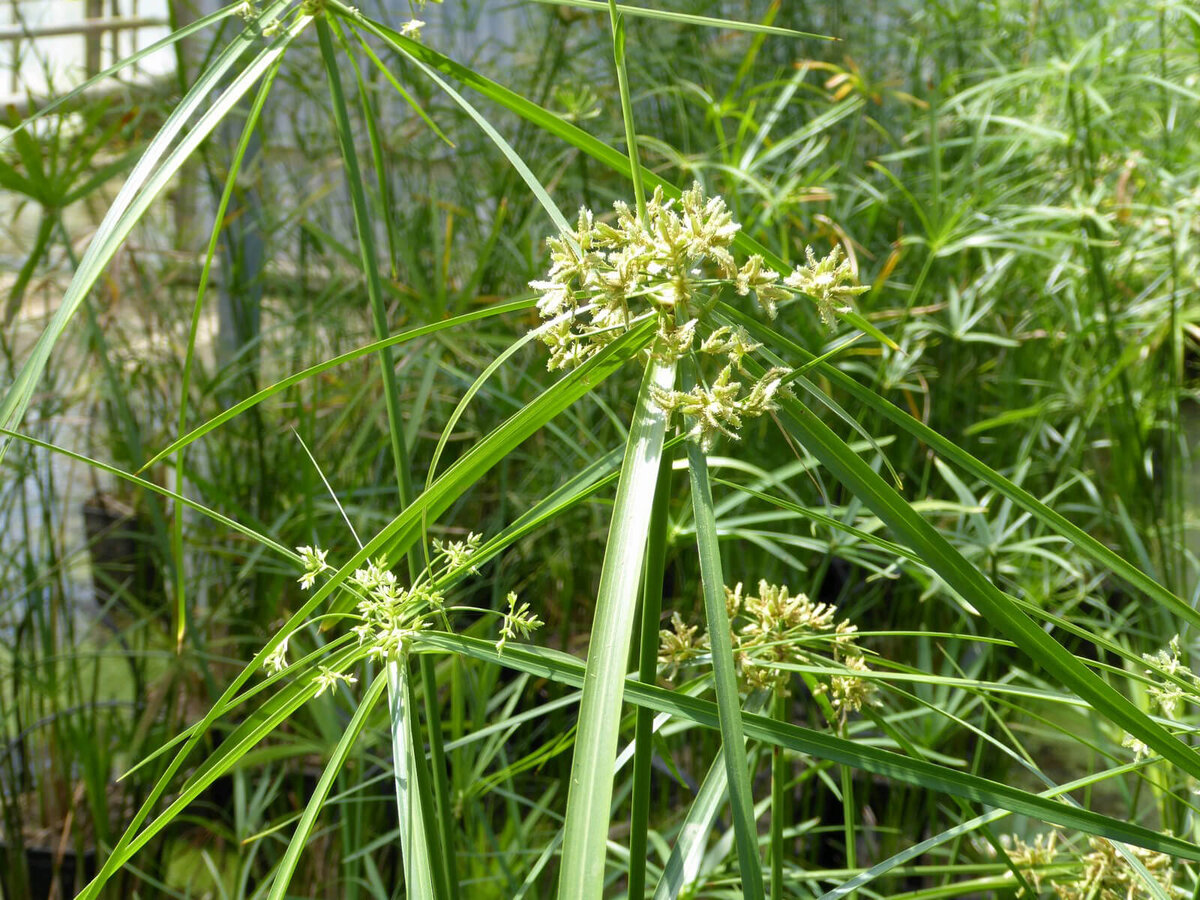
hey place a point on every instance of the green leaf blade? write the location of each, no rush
(590, 794)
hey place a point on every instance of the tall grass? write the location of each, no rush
(973, 480)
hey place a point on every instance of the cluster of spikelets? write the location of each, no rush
(391, 614)
(1100, 874)
(673, 265)
(720, 407)
(1168, 691)
(774, 629)
(412, 28)
(1171, 681)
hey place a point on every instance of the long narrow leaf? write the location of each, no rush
(1085, 543)
(664, 15)
(291, 856)
(737, 772)
(531, 181)
(590, 792)
(567, 670)
(256, 536)
(817, 438)
(366, 350)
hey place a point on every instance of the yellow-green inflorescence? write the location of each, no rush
(1169, 693)
(1102, 873)
(390, 614)
(774, 629)
(673, 265)
(1170, 683)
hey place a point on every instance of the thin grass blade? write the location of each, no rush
(1086, 544)
(299, 840)
(816, 437)
(664, 15)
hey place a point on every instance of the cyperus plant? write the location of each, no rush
(669, 265)
(661, 283)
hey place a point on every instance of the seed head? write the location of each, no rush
(314, 564)
(829, 281)
(328, 679)
(519, 622)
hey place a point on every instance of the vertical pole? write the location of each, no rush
(93, 9)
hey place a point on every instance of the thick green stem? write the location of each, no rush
(651, 612)
(422, 877)
(590, 794)
(779, 777)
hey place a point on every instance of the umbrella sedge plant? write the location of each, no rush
(673, 287)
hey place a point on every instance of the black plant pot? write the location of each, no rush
(43, 864)
(125, 577)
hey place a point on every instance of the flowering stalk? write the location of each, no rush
(670, 262)
(391, 617)
(773, 630)
(370, 267)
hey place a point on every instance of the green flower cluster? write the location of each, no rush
(720, 407)
(829, 281)
(390, 614)
(1167, 693)
(1103, 873)
(603, 277)
(673, 264)
(773, 630)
